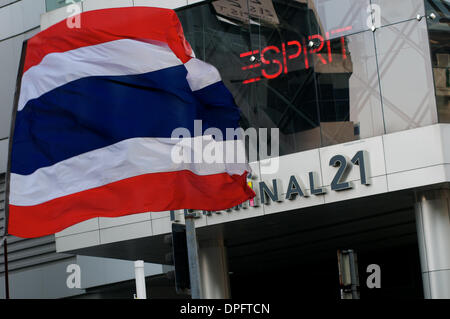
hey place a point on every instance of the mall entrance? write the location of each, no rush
(296, 251)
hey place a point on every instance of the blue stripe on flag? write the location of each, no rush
(95, 112)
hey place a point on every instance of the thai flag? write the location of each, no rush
(94, 123)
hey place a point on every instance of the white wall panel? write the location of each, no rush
(105, 222)
(126, 232)
(413, 149)
(11, 20)
(419, 177)
(161, 226)
(445, 136)
(5, 2)
(20, 16)
(4, 144)
(76, 241)
(85, 226)
(31, 12)
(157, 215)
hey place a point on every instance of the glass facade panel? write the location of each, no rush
(439, 35)
(346, 81)
(405, 76)
(55, 4)
(394, 11)
(298, 66)
(340, 17)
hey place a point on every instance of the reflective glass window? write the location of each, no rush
(439, 34)
(340, 17)
(315, 69)
(346, 81)
(394, 11)
(55, 4)
(406, 77)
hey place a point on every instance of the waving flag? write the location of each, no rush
(94, 123)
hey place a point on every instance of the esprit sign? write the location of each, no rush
(278, 58)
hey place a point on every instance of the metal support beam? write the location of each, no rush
(194, 265)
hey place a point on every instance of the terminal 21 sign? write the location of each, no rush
(267, 193)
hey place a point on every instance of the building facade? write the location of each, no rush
(358, 91)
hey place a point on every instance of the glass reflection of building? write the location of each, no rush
(320, 74)
(301, 81)
(439, 35)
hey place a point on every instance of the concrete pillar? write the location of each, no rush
(214, 269)
(139, 272)
(433, 231)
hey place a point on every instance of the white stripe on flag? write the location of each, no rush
(201, 74)
(116, 162)
(120, 57)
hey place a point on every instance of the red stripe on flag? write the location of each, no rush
(144, 193)
(99, 26)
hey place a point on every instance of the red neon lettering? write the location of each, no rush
(283, 46)
(282, 64)
(344, 52)
(263, 60)
(252, 80)
(243, 55)
(316, 36)
(305, 52)
(293, 56)
(330, 57)
(252, 66)
(341, 30)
